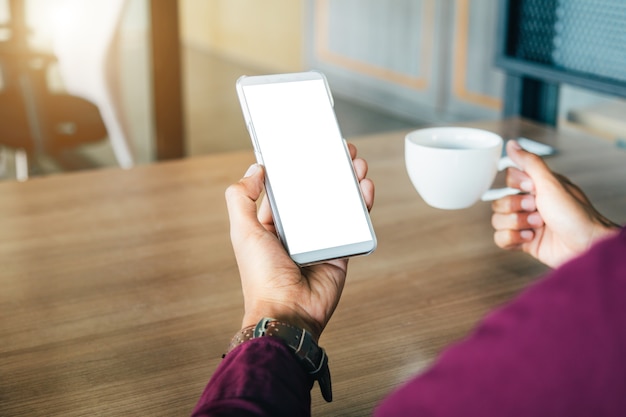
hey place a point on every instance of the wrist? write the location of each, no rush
(605, 230)
(251, 319)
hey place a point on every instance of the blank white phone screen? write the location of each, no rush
(310, 176)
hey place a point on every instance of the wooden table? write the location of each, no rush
(119, 290)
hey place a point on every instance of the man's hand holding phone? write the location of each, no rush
(273, 284)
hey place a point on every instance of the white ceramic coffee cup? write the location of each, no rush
(453, 167)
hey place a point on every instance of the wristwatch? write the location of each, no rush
(312, 357)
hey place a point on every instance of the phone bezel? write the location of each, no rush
(321, 254)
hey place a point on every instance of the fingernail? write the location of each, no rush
(515, 145)
(251, 170)
(535, 219)
(526, 234)
(527, 204)
(526, 185)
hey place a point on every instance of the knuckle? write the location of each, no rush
(499, 239)
(505, 239)
(504, 205)
(231, 191)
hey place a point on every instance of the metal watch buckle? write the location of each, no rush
(302, 344)
(261, 327)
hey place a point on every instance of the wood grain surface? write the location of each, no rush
(119, 290)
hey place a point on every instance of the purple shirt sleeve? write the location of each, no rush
(260, 377)
(559, 349)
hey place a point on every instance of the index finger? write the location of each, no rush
(516, 178)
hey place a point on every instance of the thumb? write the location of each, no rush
(241, 200)
(531, 164)
(545, 183)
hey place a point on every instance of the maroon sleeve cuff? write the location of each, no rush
(260, 377)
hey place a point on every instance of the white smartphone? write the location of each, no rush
(311, 185)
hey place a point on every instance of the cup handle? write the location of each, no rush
(506, 162)
(497, 193)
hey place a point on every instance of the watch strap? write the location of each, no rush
(312, 357)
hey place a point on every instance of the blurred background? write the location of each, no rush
(89, 84)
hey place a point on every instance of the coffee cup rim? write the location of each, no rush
(424, 138)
